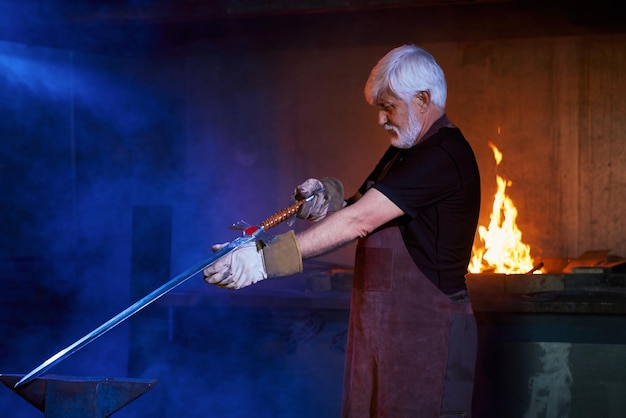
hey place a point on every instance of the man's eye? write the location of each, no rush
(386, 106)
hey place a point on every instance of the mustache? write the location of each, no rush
(391, 128)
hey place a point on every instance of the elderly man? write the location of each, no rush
(412, 335)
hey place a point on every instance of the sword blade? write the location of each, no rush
(252, 233)
(133, 309)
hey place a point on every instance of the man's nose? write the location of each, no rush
(382, 118)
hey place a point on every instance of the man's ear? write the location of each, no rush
(422, 100)
(424, 96)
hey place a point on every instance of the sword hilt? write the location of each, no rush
(282, 215)
(287, 212)
(259, 230)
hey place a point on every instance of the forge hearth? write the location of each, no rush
(548, 293)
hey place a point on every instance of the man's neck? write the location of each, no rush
(432, 116)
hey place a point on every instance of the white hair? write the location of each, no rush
(405, 71)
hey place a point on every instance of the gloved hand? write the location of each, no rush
(328, 198)
(250, 264)
(239, 268)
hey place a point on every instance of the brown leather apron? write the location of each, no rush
(398, 335)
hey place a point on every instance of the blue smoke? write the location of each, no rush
(87, 138)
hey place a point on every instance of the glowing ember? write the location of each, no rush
(503, 250)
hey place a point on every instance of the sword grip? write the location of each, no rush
(281, 215)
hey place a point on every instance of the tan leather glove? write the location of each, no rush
(249, 264)
(328, 198)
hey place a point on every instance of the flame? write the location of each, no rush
(503, 250)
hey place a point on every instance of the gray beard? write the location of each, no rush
(407, 138)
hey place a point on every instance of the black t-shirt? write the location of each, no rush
(437, 185)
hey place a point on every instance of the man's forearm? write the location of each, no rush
(346, 225)
(326, 236)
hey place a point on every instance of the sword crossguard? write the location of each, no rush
(253, 230)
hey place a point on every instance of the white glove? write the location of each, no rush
(315, 209)
(328, 197)
(239, 268)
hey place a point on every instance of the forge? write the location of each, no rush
(550, 344)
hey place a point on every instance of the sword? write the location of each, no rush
(250, 233)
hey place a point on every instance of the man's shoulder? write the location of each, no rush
(451, 137)
(447, 137)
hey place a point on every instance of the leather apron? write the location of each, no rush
(398, 337)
